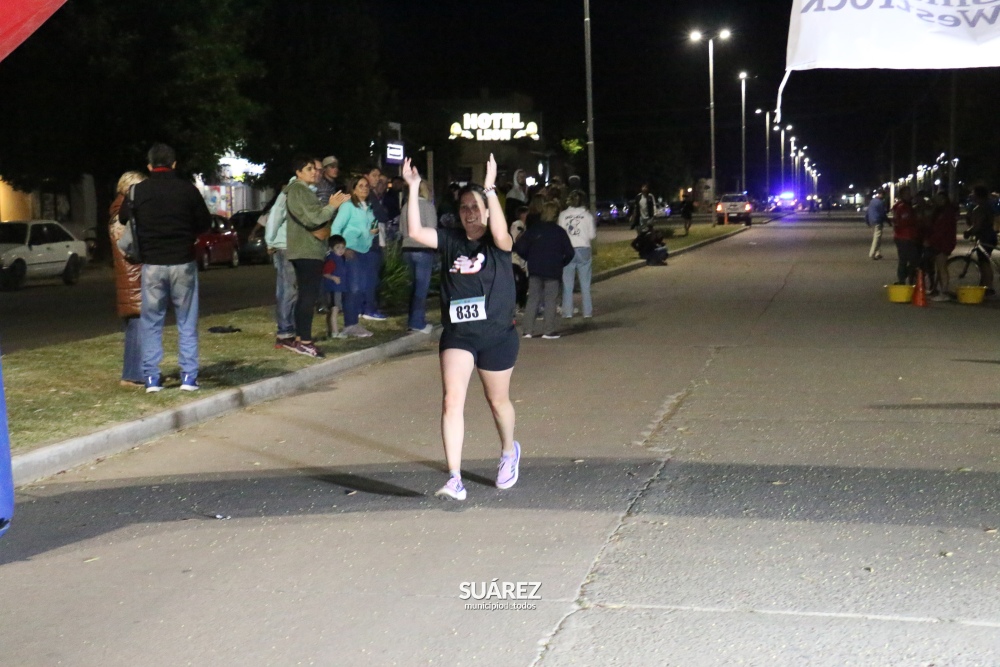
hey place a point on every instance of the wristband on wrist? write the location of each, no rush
(492, 190)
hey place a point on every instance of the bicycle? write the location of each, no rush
(965, 269)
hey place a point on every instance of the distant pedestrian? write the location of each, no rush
(308, 230)
(419, 259)
(687, 212)
(980, 221)
(906, 234)
(356, 223)
(128, 288)
(334, 283)
(579, 225)
(169, 214)
(517, 196)
(643, 208)
(876, 217)
(941, 241)
(517, 227)
(547, 249)
(477, 311)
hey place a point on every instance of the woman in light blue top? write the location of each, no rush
(356, 223)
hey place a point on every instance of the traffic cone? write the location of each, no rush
(919, 298)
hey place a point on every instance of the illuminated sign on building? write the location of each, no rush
(394, 153)
(494, 127)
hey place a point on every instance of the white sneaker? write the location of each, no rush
(453, 490)
(428, 328)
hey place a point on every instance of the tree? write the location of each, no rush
(321, 91)
(101, 81)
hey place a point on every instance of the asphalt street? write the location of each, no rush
(748, 457)
(46, 312)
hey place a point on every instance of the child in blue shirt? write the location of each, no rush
(334, 283)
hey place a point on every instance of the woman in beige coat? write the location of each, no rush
(128, 287)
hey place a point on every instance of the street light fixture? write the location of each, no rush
(767, 153)
(696, 36)
(782, 152)
(743, 131)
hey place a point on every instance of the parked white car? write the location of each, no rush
(38, 249)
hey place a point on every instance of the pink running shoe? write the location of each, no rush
(453, 490)
(508, 468)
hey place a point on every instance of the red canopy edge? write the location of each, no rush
(20, 19)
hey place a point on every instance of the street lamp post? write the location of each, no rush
(782, 152)
(767, 153)
(696, 37)
(591, 159)
(791, 165)
(743, 131)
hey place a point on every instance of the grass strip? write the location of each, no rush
(618, 253)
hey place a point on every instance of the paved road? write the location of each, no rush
(48, 312)
(748, 457)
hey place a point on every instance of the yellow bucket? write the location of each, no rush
(971, 294)
(899, 293)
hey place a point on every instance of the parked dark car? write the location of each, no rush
(253, 250)
(219, 245)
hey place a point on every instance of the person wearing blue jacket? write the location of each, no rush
(356, 223)
(547, 248)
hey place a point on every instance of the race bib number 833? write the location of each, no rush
(468, 310)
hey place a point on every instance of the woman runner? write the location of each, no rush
(477, 311)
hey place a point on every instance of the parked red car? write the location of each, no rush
(219, 245)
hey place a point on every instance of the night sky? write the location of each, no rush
(649, 78)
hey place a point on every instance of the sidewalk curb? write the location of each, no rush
(638, 264)
(58, 457)
(61, 456)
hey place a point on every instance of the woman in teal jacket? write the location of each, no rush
(356, 223)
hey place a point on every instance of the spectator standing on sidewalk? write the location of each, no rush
(477, 311)
(328, 184)
(520, 266)
(980, 222)
(334, 283)
(906, 234)
(517, 196)
(308, 230)
(419, 259)
(356, 223)
(547, 249)
(169, 214)
(373, 258)
(285, 290)
(128, 288)
(875, 217)
(579, 225)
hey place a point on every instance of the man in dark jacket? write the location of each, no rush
(547, 249)
(169, 214)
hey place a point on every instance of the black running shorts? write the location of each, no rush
(496, 352)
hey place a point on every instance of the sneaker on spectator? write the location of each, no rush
(153, 385)
(551, 336)
(357, 331)
(309, 350)
(426, 329)
(189, 382)
(285, 343)
(940, 297)
(508, 469)
(376, 316)
(527, 335)
(453, 490)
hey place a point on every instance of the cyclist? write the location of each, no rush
(980, 228)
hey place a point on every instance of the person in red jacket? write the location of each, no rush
(906, 234)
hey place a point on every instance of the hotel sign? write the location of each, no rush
(494, 127)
